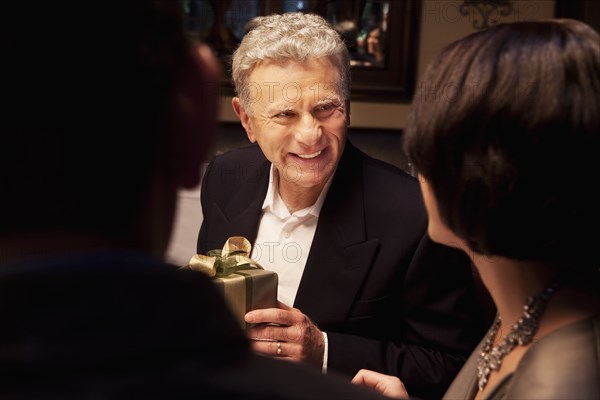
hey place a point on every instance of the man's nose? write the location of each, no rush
(309, 130)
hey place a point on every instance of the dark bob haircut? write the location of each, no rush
(505, 127)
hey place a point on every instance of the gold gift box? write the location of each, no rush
(244, 284)
(248, 290)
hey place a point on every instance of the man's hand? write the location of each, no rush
(286, 333)
(387, 385)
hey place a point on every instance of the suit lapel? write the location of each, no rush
(340, 255)
(241, 216)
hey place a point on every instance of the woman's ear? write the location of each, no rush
(245, 119)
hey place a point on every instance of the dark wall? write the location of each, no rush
(587, 11)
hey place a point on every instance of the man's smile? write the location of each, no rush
(308, 156)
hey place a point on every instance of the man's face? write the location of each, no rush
(299, 120)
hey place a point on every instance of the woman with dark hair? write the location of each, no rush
(371, 43)
(505, 135)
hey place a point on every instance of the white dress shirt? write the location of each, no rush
(283, 241)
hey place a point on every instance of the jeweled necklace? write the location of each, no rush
(521, 333)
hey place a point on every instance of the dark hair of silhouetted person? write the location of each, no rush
(84, 109)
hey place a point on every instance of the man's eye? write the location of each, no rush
(284, 114)
(325, 107)
(324, 110)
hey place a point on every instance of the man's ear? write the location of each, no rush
(244, 118)
(193, 118)
(347, 112)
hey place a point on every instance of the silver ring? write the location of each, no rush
(278, 348)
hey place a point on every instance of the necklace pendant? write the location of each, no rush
(494, 360)
(482, 383)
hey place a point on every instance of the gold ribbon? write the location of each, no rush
(233, 257)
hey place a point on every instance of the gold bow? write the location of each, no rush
(233, 257)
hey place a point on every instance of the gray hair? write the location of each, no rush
(291, 36)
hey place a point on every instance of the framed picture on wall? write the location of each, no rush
(381, 35)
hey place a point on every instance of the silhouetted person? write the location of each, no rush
(108, 112)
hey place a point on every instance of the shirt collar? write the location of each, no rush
(274, 203)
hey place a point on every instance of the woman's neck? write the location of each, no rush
(511, 282)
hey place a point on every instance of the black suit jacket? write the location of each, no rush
(389, 298)
(126, 326)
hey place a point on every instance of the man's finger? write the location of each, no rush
(270, 315)
(291, 333)
(278, 349)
